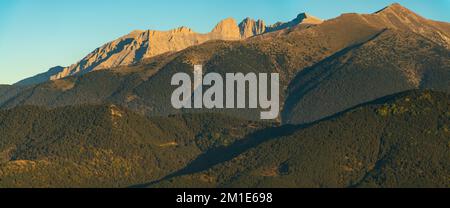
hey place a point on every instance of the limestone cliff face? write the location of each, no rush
(250, 27)
(227, 29)
(141, 44)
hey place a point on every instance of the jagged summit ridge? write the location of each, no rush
(141, 44)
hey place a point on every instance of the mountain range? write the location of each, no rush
(139, 45)
(364, 103)
(324, 67)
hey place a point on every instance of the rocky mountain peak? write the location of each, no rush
(395, 7)
(228, 29)
(398, 11)
(395, 16)
(249, 27)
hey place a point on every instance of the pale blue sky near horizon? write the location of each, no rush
(36, 35)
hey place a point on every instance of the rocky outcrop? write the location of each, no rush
(249, 27)
(302, 18)
(227, 29)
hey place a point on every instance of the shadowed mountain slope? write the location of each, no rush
(104, 146)
(398, 141)
(394, 61)
(4, 88)
(398, 17)
(40, 78)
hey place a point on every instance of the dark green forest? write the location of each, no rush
(105, 146)
(398, 141)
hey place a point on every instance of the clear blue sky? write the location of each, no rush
(36, 35)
